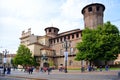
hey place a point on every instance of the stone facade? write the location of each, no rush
(52, 44)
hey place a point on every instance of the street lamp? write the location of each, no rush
(5, 59)
(66, 45)
(44, 58)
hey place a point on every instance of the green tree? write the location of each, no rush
(12, 62)
(102, 43)
(86, 48)
(108, 42)
(24, 57)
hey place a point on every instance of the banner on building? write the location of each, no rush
(65, 55)
(4, 60)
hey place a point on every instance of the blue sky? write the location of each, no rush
(19, 15)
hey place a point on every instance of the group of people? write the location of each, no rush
(88, 68)
(46, 69)
(7, 70)
(93, 68)
(29, 69)
(106, 68)
(61, 68)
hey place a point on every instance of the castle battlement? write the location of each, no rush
(26, 34)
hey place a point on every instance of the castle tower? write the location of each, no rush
(51, 31)
(93, 15)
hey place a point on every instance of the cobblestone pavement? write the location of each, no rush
(55, 75)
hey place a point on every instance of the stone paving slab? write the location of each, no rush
(71, 75)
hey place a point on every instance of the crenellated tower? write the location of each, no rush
(93, 15)
(51, 31)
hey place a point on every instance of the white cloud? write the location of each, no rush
(19, 15)
(71, 9)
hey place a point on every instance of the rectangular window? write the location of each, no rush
(71, 51)
(54, 30)
(70, 62)
(77, 35)
(72, 36)
(57, 39)
(54, 53)
(54, 40)
(61, 51)
(68, 36)
(89, 9)
(97, 8)
(61, 39)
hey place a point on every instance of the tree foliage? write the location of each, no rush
(23, 56)
(102, 43)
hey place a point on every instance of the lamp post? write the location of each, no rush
(66, 45)
(44, 58)
(5, 59)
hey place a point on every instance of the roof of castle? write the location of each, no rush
(93, 5)
(69, 32)
(52, 28)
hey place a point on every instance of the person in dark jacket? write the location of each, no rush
(4, 70)
(8, 70)
(30, 70)
(49, 70)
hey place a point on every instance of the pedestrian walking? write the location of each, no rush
(30, 70)
(82, 68)
(100, 68)
(8, 70)
(1, 70)
(106, 67)
(49, 70)
(4, 70)
(41, 69)
(89, 68)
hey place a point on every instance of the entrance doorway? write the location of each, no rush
(45, 64)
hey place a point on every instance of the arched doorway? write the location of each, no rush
(45, 64)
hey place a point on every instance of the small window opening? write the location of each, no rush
(98, 8)
(49, 30)
(90, 9)
(54, 30)
(68, 36)
(57, 39)
(77, 35)
(72, 36)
